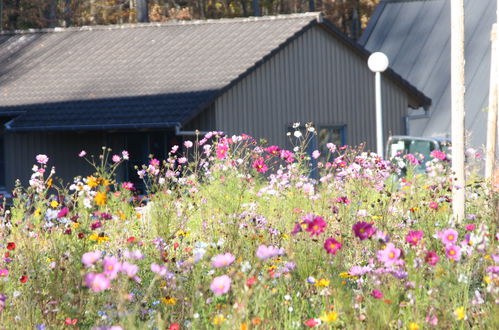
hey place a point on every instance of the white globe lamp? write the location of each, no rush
(378, 62)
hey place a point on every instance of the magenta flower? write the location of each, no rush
(97, 282)
(316, 226)
(377, 294)
(90, 258)
(287, 155)
(264, 252)
(453, 252)
(223, 260)
(42, 159)
(111, 266)
(363, 230)
(128, 186)
(297, 228)
(438, 154)
(273, 150)
(62, 213)
(4, 272)
(470, 227)
(431, 258)
(414, 237)
(433, 205)
(332, 246)
(260, 166)
(129, 269)
(448, 236)
(220, 285)
(389, 255)
(222, 151)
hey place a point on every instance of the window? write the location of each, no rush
(330, 134)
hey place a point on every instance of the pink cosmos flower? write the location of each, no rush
(453, 252)
(188, 144)
(97, 282)
(62, 213)
(288, 156)
(111, 266)
(448, 236)
(414, 236)
(470, 227)
(160, 270)
(359, 270)
(222, 151)
(377, 294)
(260, 166)
(264, 252)
(4, 272)
(129, 269)
(90, 258)
(223, 260)
(136, 254)
(363, 230)
(42, 159)
(273, 150)
(128, 186)
(182, 160)
(154, 162)
(438, 154)
(316, 226)
(389, 255)
(312, 323)
(82, 153)
(433, 205)
(431, 258)
(316, 154)
(220, 285)
(116, 158)
(125, 155)
(332, 246)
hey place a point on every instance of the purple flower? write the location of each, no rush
(389, 255)
(91, 258)
(363, 230)
(42, 159)
(97, 282)
(264, 252)
(223, 260)
(220, 285)
(296, 229)
(111, 266)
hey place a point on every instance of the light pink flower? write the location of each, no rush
(223, 260)
(129, 269)
(453, 252)
(111, 266)
(160, 270)
(264, 252)
(220, 285)
(125, 155)
(448, 236)
(90, 258)
(188, 144)
(82, 153)
(182, 160)
(316, 154)
(389, 255)
(116, 158)
(97, 282)
(42, 159)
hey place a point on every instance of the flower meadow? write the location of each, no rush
(234, 233)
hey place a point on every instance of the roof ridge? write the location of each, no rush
(313, 15)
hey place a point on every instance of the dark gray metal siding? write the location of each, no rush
(316, 79)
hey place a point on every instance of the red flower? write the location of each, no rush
(311, 323)
(131, 239)
(250, 281)
(11, 246)
(174, 326)
(69, 321)
(23, 279)
(81, 235)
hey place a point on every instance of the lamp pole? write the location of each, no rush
(377, 63)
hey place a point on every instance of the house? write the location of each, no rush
(139, 87)
(415, 35)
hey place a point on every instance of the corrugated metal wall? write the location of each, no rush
(62, 148)
(317, 79)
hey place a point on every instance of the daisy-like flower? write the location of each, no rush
(363, 230)
(97, 282)
(448, 236)
(431, 258)
(264, 252)
(90, 258)
(453, 252)
(223, 260)
(377, 294)
(260, 166)
(332, 246)
(42, 159)
(220, 285)
(414, 236)
(389, 255)
(316, 226)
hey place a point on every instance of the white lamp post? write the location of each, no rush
(377, 63)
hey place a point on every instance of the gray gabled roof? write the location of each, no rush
(144, 75)
(415, 34)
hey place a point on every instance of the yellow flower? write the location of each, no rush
(76, 225)
(54, 204)
(460, 313)
(49, 182)
(244, 326)
(122, 215)
(104, 182)
(37, 213)
(101, 239)
(486, 279)
(329, 317)
(219, 319)
(376, 217)
(100, 198)
(93, 237)
(169, 301)
(92, 182)
(413, 326)
(182, 233)
(322, 283)
(346, 275)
